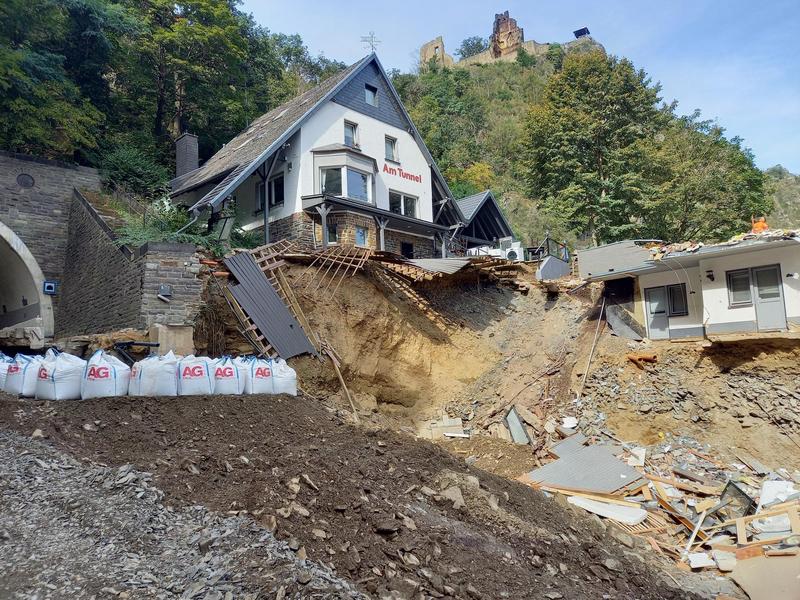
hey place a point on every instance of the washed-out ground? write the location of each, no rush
(373, 510)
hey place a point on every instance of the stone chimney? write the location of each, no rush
(186, 154)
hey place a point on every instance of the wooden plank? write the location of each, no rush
(741, 531)
(703, 490)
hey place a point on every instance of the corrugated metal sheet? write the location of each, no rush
(440, 265)
(262, 304)
(572, 444)
(590, 469)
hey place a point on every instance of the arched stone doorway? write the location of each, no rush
(26, 312)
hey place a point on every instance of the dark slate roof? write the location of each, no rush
(470, 205)
(261, 134)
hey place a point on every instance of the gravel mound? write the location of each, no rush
(72, 530)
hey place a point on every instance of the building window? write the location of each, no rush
(350, 134)
(371, 94)
(357, 185)
(739, 293)
(391, 148)
(276, 191)
(261, 196)
(361, 236)
(332, 181)
(678, 304)
(333, 237)
(403, 204)
(407, 249)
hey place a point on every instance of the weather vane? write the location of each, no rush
(370, 41)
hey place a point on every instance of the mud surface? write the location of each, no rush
(395, 516)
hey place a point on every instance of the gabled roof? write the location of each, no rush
(248, 150)
(471, 205)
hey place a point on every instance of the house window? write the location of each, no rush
(333, 237)
(676, 297)
(260, 197)
(403, 204)
(407, 249)
(361, 236)
(371, 94)
(332, 181)
(739, 293)
(275, 191)
(358, 185)
(350, 133)
(391, 148)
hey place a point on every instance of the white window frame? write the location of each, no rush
(395, 157)
(728, 276)
(368, 87)
(271, 190)
(261, 192)
(345, 192)
(355, 134)
(403, 197)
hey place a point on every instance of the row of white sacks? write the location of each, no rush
(61, 376)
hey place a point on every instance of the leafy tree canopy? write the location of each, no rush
(472, 46)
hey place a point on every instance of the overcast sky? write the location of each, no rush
(738, 61)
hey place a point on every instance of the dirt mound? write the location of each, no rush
(387, 512)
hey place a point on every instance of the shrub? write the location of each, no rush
(129, 168)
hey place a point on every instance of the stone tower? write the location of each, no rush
(506, 37)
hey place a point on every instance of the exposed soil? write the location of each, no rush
(380, 508)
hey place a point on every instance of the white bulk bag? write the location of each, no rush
(155, 376)
(284, 378)
(195, 375)
(5, 362)
(230, 376)
(259, 377)
(21, 376)
(59, 376)
(105, 376)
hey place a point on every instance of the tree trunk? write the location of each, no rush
(161, 100)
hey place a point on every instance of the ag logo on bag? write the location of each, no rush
(195, 371)
(98, 373)
(43, 373)
(13, 369)
(224, 372)
(263, 372)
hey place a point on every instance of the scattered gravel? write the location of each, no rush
(72, 530)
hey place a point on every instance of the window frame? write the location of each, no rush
(366, 236)
(335, 239)
(345, 192)
(261, 197)
(403, 197)
(342, 182)
(373, 89)
(729, 289)
(271, 191)
(395, 157)
(671, 312)
(354, 126)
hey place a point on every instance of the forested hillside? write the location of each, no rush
(784, 188)
(111, 83)
(583, 146)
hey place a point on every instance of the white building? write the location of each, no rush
(743, 286)
(342, 163)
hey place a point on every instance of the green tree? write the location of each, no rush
(580, 144)
(702, 185)
(471, 46)
(555, 54)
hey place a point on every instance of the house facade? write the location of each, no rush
(749, 285)
(341, 164)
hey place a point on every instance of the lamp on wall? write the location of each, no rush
(710, 275)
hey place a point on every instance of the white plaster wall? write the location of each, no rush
(689, 276)
(715, 293)
(326, 127)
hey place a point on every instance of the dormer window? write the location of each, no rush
(350, 134)
(371, 95)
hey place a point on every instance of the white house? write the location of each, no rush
(751, 284)
(341, 163)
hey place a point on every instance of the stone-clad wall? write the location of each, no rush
(39, 214)
(423, 247)
(102, 285)
(108, 288)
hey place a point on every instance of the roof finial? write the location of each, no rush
(370, 41)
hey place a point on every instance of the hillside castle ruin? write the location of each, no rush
(504, 44)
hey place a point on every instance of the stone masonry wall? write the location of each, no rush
(177, 266)
(297, 226)
(39, 214)
(102, 285)
(423, 248)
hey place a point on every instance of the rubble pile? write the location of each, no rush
(749, 394)
(68, 530)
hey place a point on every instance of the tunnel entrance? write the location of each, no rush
(26, 313)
